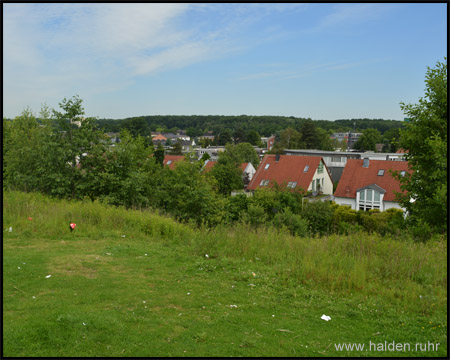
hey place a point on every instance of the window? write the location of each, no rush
(380, 172)
(369, 199)
(292, 184)
(320, 168)
(266, 167)
(264, 182)
(169, 162)
(306, 168)
(402, 173)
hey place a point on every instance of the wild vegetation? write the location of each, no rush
(134, 283)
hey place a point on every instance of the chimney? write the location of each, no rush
(277, 157)
(366, 162)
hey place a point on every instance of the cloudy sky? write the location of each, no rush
(322, 61)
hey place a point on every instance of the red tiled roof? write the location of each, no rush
(209, 165)
(159, 138)
(355, 176)
(173, 159)
(243, 166)
(288, 168)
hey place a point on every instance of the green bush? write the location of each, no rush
(319, 216)
(236, 207)
(294, 223)
(256, 215)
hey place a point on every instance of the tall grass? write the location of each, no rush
(400, 271)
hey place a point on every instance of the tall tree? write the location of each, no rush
(424, 137)
(368, 140)
(310, 136)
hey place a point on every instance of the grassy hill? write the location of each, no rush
(132, 283)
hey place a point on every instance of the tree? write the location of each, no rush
(310, 136)
(176, 149)
(368, 140)
(424, 137)
(159, 154)
(23, 139)
(74, 138)
(291, 139)
(254, 138)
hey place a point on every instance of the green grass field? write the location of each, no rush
(131, 283)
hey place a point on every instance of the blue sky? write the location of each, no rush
(320, 61)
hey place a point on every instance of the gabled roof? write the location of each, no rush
(355, 177)
(289, 168)
(159, 138)
(244, 166)
(170, 160)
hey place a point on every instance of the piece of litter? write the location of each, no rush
(84, 324)
(30, 218)
(189, 293)
(108, 253)
(145, 254)
(143, 301)
(273, 315)
(325, 317)
(207, 256)
(10, 229)
(123, 235)
(24, 263)
(253, 274)
(18, 267)
(251, 285)
(233, 306)
(34, 297)
(48, 276)
(232, 286)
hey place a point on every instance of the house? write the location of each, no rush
(171, 160)
(209, 164)
(269, 141)
(368, 184)
(336, 160)
(159, 139)
(248, 170)
(306, 172)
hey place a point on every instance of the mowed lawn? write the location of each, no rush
(134, 297)
(131, 294)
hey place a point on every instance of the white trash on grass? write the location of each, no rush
(325, 317)
(48, 276)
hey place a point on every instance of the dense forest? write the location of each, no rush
(197, 125)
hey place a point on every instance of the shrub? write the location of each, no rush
(319, 216)
(256, 215)
(294, 223)
(235, 207)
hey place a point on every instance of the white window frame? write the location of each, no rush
(365, 204)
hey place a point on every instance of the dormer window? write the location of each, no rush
(169, 162)
(292, 184)
(264, 182)
(381, 172)
(266, 167)
(402, 173)
(306, 168)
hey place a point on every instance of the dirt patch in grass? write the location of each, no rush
(81, 265)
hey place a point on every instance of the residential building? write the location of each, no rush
(309, 173)
(171, 160)
(368, 184)
(348, 137)
(336, 160)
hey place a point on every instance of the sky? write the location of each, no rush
(323, 61)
